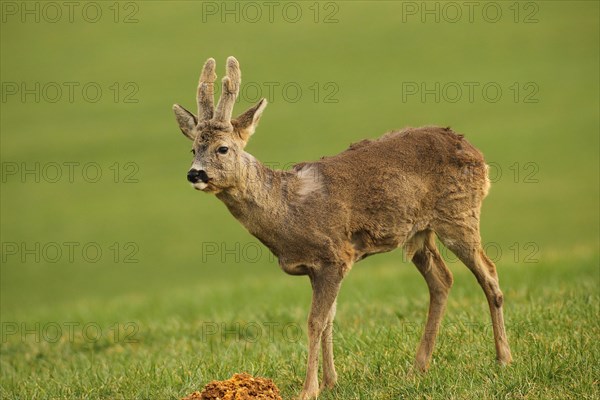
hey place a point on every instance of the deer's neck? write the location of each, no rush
(259, 202)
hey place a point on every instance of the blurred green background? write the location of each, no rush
(362, 68)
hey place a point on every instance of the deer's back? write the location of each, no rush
(433, 159)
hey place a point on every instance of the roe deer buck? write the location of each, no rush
(321, 217)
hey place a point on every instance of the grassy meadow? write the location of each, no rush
(118, 281)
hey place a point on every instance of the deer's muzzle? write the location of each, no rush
(195, 175)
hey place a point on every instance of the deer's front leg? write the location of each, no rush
(326, 286)
(329, 374)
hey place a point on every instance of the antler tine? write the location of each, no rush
(231, 88)
(205, 96)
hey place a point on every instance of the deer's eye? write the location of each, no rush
(193, 152)
(223, 150)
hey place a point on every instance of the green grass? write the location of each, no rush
(183, 315)
(185, 337)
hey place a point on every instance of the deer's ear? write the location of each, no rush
(186, 120)
(247, 122)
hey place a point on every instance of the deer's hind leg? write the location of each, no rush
(428, 261)
(464, 240)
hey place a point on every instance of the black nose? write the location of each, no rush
(195, 175)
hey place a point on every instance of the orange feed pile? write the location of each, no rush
(239, 387)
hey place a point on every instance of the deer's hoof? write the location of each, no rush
(309, 394)
(504, 357)
(421, 368)
(505, 362)
(328, 383)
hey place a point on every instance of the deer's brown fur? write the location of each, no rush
(321, 217)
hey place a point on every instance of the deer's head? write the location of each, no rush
(218, 140)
